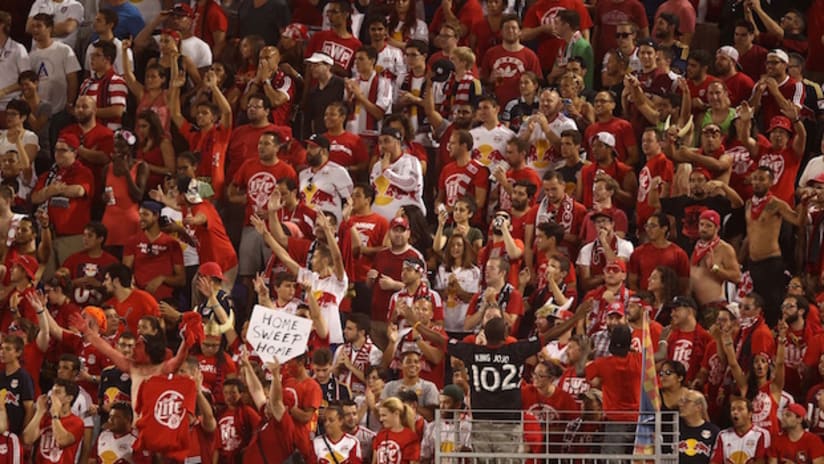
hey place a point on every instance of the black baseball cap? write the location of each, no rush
(318, 140)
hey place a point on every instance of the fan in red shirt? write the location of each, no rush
(626, 145)
(57, 431)
(539, 24)
(86, 267)
(368, 230)
(687, 340)
(302, 396)
(244, 142)
(739, 85)
(498, 293)
(638, 307)
(657, 251)
(503, 65)
(551, 405)
(657, 166)
(396, 442)
(784, 154)
(605, 164)
(795, 444)
(390, 262)
(165, 406)
(214, 363)
(777, 90)
(619, 377)
(23, 273)
(345, 148)
(463, 176)
(516, 151)
(337, 42)
(237, 423)
(466, 13)
(131, 303)
(211, 136)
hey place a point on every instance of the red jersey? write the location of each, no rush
(212, 242)
(807, 449)
(212, 145)
(791, 89)
(389, 264)
(497, 249)
(559, 406)
(48, 451)
(621, 382)
(235, 427)
(277, 439)
(244, 142)
(163, 407)
(470, 13)
(303, 216)
(69, 215)
(485, 37)
(753, 62)
(544, 12)
(80, 265)
(347, 149)
(514, 175)
(32, 362)
(699, 91)
(459, 181)
(647, 257)
(90, 356)
(371, 229)
(209, 18)
(765, 410)
(618, 127)
(655, 330)
(784, 165)
(608, 15)
(656, 166)
(329, 42)
(304, 394)
(11, 449)
(688, 348)
(743, 164)
(739, 88)
(573, 384)
(617, 170)
(101, 138)
(260, 180)
(504, 68)
(214, 374)
(153, 258)
(135, 306)
(402, 447)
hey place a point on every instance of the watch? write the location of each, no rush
(716, 268)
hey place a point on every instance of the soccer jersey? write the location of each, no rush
(459, 181)
(542, 155)
(398, 185)
(732, 447)
(326, 188)
(489, 145)
(260, 180)
(344, 451)
(329, 292)
(115, 449)
(48, 451)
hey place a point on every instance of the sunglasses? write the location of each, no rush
(667, 372)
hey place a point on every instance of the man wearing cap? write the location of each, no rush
(687, 340)
(605, 164)
(713, 263)
(667, 31)
(327, 88)
(23, 272)
(65, 191)
(337, 43)
(739, 85)
(788, 140)
(777, 91)
(765, 214)
(795, 444)
(396, 177)
(613, 315)
(619, 376)
(155, 257)
(607, 248)
(711, 154)
(180, 19)
(455, 426)
(414, 287)
(107, 87)
(324, 185)
(626, 145)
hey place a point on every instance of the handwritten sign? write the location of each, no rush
(277, 334)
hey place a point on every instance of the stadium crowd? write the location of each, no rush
(493, 212)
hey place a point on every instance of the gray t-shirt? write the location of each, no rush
(427, 391)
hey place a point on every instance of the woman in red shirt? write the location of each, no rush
(125, 186)
(154, 147)
(398, 433)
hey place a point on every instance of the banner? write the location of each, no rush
(650, 397)
(277, 334)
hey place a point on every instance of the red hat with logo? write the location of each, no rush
(399, 221)
(712, 216)
(296, 31)
(616, 307)
(780, 122)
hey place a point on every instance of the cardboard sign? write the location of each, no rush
(277, 334)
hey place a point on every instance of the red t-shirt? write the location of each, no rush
(212, 242)
(494, 250)
(236, 427)
(259, 181)
(784, 165)
(152, 259)
(329, 42)
(620, 383)
(470, 13)
(69, 215)
(48, 451)
(544, 12)
(81, 264)
(807, 449)
(304, 394)
(460, 181)
(164, 405)
(791, 89)
(657, 166)
(402, 447)
(135, 306)
(99, 138)
(509, 66)
(739, 88)
(214, 375)
(244, 142)
(277, 439)
(207, 22)
(371, 229)
(617, 170)
(608, 15)
(647, 257)
(92, 358)
(485, 37)
(514, 175)
(655, 330)
(753, 62)
(560, 406)
(688, 348)
(347, 149)
(618, 127)
(699, 91)
(212, 145)
(390, 265)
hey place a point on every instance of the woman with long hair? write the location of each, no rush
(154, 148)
(405, 25)
(397, 433)
(170, 52)
(125, 186)
(663, 284)
(457, 280)
(250, 47)
(151, 93)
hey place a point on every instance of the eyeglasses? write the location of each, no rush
(623, 35)
(667, 372)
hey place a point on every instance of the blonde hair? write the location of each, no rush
(464, 54)
(394, 404)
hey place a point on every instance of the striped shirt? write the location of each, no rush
(109, 90)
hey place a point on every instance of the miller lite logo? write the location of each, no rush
(168, 410)
(741, 160)
(259, 187)
(682, 352)
(550, 14)
(775, 162)
(389, 452)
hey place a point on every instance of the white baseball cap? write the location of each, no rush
(729, 52)
(780, 54)
(318, 57)
(606, 138)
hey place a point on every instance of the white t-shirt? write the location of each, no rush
(197, 50)
(625, 249)
(329, 291)
(14, 59)
(118, 62)
(543, 156)
(61, 11)
(454, 309)
(29, 138)
(329, 186)
(190, 256)
(52, 64)
(399, 185)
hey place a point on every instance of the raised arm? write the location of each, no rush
(276, 247)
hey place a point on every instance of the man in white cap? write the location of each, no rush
(604, 164)
(739, 85)
(776, 90)
(327, 88)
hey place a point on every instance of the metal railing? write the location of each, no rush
(550, 436)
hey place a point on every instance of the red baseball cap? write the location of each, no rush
(399, 221)
(797, 409)
(69, 139)
(712, 216)
(210, 269)
(296, 31)
(28, 263)
(780, 122)
(616, 307)
(182, 9)
(618, 266)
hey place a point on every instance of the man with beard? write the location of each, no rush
(794, 309)
(612, 291)
(397, 177)
(606, 165)
(523, 211)
(131, 303)
(354, 357)
(713, 262)
(559, 207)
(325, 184)
(687, 340)
(711, 155)
(516, 150)
(666, 36)
(351, 425)
(442, 128)
(463, 175)
(702, 195)
(776, 91)
(155, 257)
(698, 79)
(739, 85)
(503, 65)
(244, 143)
(606, 249)
(86, 266)
(543, 131)
(657, 165)
(795, 444)
(744, 441)
(764, 215)
(783, 155)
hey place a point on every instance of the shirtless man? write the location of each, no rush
(764, 214)
(712, 264)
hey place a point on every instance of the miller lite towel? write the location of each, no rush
(164, 403)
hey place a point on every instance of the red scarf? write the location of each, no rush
(757, 205)
(704, 248)
(563, 213)
(599, 257)
(360, 362)
(371, 123)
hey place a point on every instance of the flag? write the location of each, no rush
(650, 397)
